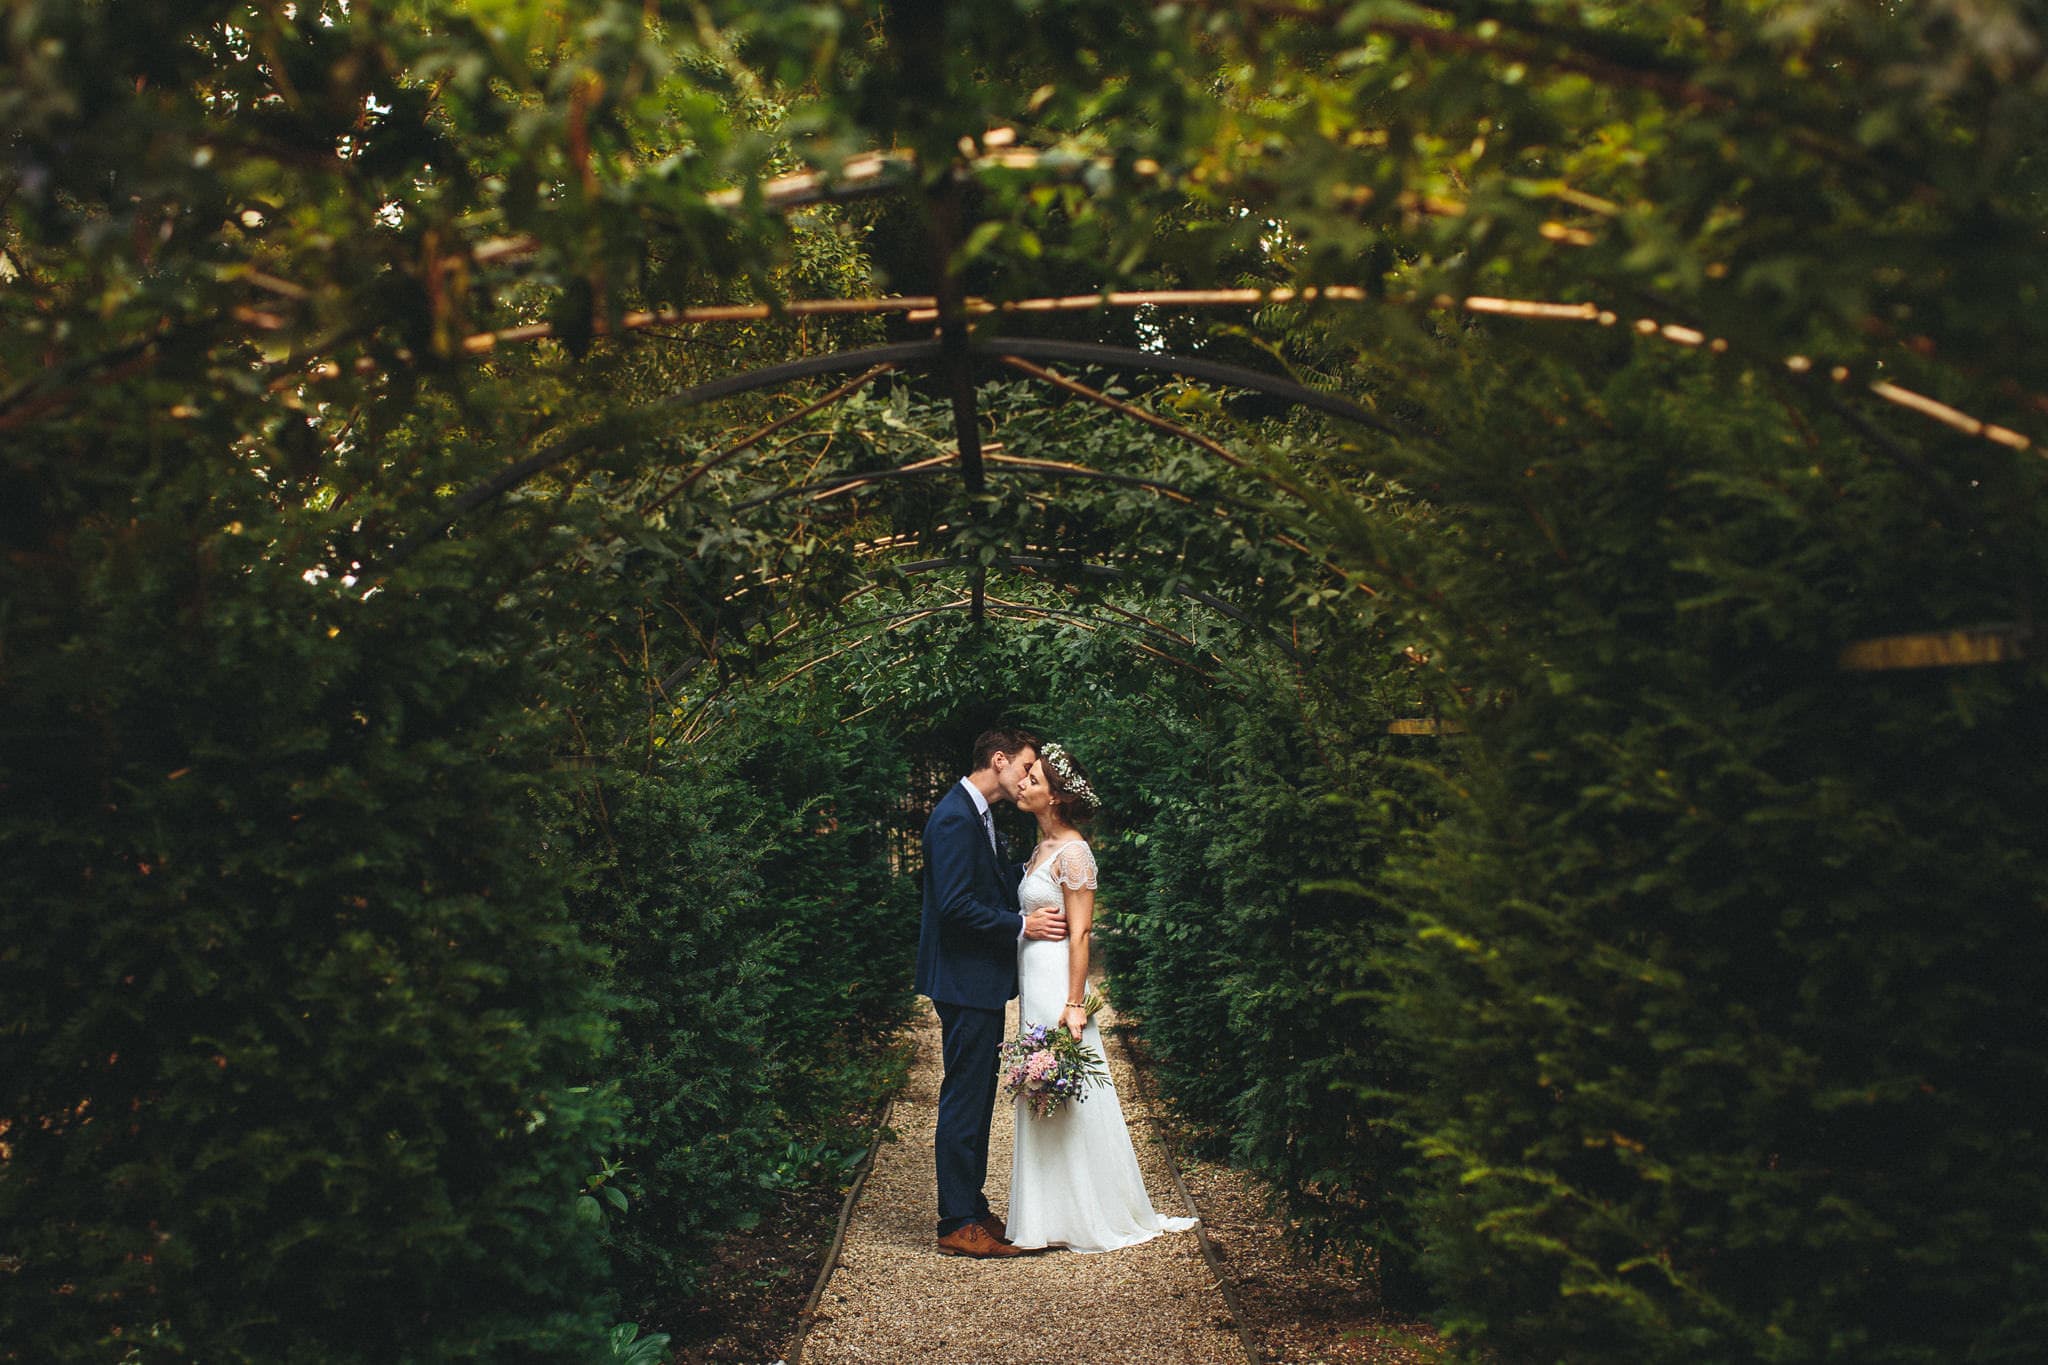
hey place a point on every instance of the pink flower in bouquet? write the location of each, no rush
(1045, 1066)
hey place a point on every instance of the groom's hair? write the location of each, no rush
(1003, 739)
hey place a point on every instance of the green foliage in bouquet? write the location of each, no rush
(1047, 1067)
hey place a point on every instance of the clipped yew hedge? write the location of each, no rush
(1689, 1006)
(1238, 964)
(754, 938)
(299, 1028)
(1727, 967)
(338, 988)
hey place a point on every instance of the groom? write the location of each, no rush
(967, 963)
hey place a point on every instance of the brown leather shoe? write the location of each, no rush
(972, 1239)
(995, 1228)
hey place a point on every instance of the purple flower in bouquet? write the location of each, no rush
(1046, 1066)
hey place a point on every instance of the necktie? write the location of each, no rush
(988, 822)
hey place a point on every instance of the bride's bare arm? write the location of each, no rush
(1080, 904)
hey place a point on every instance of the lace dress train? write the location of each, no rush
(1074, 1177)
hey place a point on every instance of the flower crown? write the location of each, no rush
(1071, 782)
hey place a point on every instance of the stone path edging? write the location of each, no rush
(846, 1207)
(1252, 1354)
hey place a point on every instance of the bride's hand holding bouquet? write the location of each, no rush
(1085, 1008)
(1046, 1066)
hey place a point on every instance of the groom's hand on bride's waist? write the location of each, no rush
(1046, 924)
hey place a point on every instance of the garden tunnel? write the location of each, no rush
(954, 354)
(468, 700)
(1193, 582)
(958, 361)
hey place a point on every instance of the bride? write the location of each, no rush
(1074, 1179)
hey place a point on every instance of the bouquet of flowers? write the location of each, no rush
(1049, 1066)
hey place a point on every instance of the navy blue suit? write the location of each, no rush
(967, 964)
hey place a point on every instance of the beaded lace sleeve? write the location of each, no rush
(1074, 866)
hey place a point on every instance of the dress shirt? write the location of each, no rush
(988, 823)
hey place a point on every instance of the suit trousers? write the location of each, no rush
(967, 1106)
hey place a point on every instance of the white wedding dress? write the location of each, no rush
(1074, 1178)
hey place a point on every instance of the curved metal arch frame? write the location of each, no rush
(1191, 367)
(942, 353)
(887, 623)
(1219, 504)
(899, 355)
(676, 677)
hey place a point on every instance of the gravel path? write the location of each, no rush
(894, 1298)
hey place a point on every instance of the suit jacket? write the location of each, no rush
(967, 939)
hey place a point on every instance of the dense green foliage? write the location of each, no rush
(296, 1020)
(446, 772)
(1243, 880)
(1720, 978)
(752, 928)
(307, 961)
(1757, 941)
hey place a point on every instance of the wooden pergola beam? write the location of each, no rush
(918, 308)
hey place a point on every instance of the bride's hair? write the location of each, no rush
(1073, 793)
